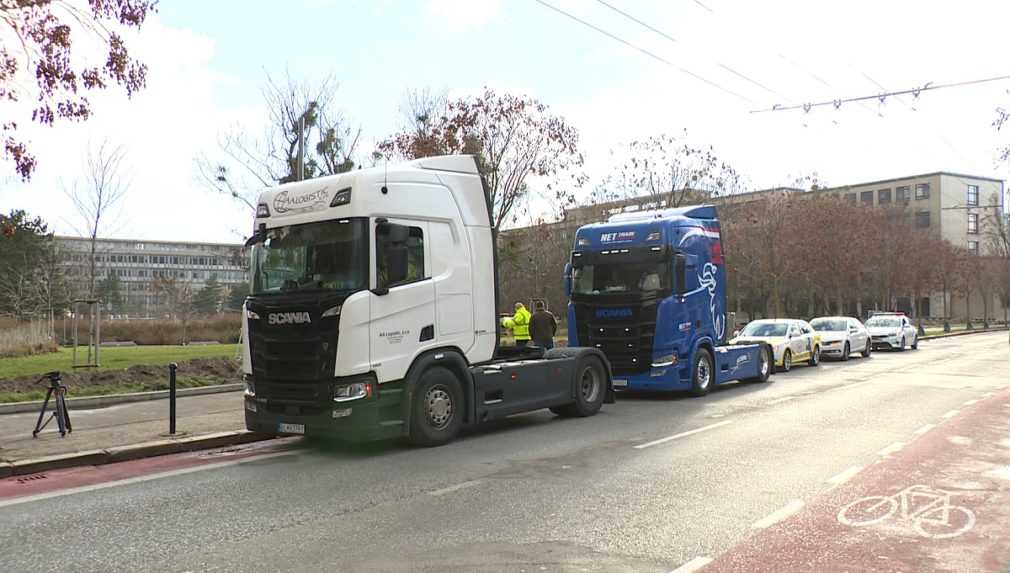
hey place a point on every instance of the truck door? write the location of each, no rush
(402, 308)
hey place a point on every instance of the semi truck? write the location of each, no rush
(648, 289)
(373, 312)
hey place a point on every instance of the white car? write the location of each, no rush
(841, 336)
(892, 330)
(791, 340)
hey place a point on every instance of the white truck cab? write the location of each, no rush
(373, 311)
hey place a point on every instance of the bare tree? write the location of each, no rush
(178, 300)
(96, 198)
(306, 136)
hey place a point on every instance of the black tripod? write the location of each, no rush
(60, 413)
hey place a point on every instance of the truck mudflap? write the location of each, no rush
(741, 362)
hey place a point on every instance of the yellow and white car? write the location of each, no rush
(792, 340)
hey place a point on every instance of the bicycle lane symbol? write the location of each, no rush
(929, 510)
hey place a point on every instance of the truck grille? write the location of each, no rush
(626, 341)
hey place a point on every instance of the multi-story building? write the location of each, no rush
(138, 265)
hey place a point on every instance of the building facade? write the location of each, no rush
(138, 264)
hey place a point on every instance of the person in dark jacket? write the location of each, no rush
(543, 325)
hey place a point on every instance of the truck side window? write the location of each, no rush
(385, 250)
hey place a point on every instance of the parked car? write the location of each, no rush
(841, 336)
(892, 330)
(792, 340)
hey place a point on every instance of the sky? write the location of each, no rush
(721, 60)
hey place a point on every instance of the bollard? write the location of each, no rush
(171, 397)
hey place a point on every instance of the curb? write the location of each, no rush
(130, 452)
(961, 333)
(113, 399)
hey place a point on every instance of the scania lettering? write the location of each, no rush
(648, 289)
(373, 312)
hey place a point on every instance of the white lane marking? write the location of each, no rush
(924, 429)
(139, 479)
(896, 446)
(453, 488)
(780, 400)
(959, 440)
(950, 414)
(970, 402)
(1000, 472)
(681, 435)
(987, 395)
(778, 515)
(845, 476)
(693, 565)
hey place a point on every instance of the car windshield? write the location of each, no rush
(829, 324)
(329, 255)
(884, 321)
(620, 278)
(765, 329)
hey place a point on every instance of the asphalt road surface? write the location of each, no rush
(652, 483)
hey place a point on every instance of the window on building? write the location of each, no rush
(972, 223)
(415, 258)
(922, 219)
(866, 197)
(973, 247)
(850, 197)
(922, 190)
(903, 194)
(884, 196)
(973, 195)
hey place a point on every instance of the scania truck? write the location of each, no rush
(648, 289)
(373, 312)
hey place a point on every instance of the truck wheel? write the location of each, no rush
(590, 389)
(787, 361)
(702, 373)
(815, 356)
(765, 360)
(437, 409)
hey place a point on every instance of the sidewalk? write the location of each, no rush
(120, 425)
(941, 503)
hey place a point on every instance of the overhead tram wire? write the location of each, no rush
(644, 51)
(915, 92)
(674, 40)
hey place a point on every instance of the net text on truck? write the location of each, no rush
(648, 289)
(373, 312)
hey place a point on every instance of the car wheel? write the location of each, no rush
(915, 342)
(702, 373)
(901, 348)
(815, 356)
(787, 361)
(845, 352)
(869, 348)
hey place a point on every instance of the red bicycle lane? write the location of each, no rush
(941, 503)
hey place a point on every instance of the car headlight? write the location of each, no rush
(663, 361)
(355, 391)
(832, 343)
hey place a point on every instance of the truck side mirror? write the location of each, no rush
(568, 280)
(680, 273)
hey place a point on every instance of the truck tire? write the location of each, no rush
(437, 408)
(766, 362)
(702, 373)
(590, 389)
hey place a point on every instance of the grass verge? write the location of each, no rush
(7, 397)
(112, 358)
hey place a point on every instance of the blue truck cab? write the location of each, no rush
(648, 289)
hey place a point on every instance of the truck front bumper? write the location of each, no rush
(355, 421)
(664, 379)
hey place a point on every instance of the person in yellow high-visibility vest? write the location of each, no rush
(519, 323)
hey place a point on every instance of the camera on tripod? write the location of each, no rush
(60, 412)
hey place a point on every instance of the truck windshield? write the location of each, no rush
(765, 329)
(615, 278)
(329, 255)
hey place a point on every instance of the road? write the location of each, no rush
(650, 484)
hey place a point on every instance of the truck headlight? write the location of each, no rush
(355, 391)
(664, 361)
(335, 311)
(251, 315)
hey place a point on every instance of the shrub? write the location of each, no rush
(223, 328)
(25, 338)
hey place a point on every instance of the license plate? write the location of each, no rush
(291, 428)
(620, 383)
